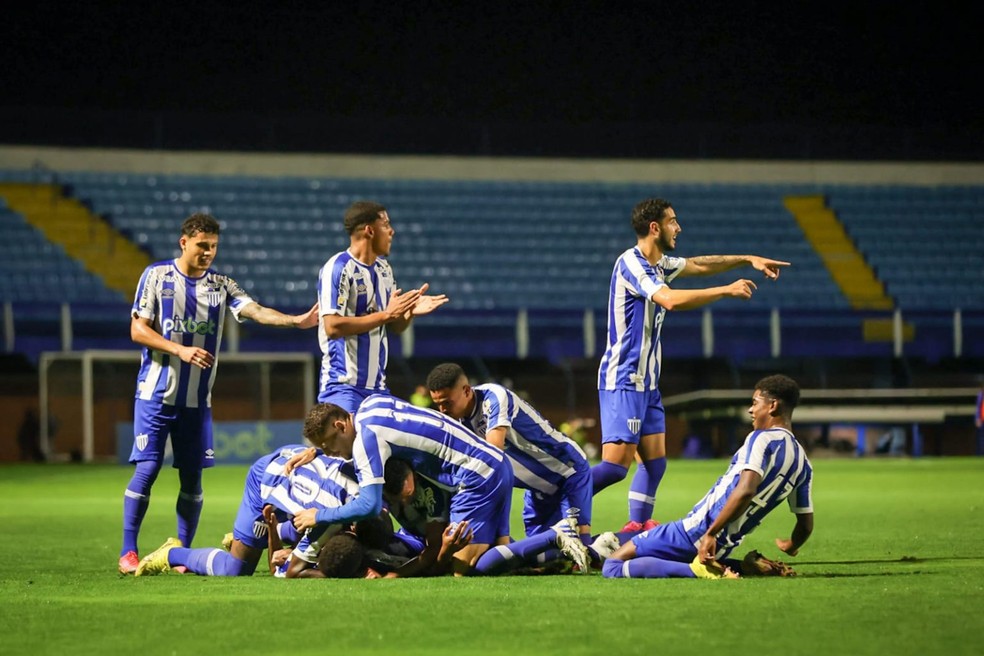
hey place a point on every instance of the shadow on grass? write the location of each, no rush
(880, 561)
(904, 560)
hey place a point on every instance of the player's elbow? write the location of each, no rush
(332, 329)
(665, 301)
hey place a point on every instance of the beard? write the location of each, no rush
(666, 244)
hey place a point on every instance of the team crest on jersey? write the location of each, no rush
(634, 424)
(141, 441)
(213, 293)
(260, 529)
(486, 406)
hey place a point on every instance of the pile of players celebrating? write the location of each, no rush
(446, 474)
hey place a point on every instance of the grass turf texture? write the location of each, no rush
(896, 566)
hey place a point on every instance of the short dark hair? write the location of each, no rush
(200, 222)
(649, 210)
(394, 475)
(781, 387)
(360, 213)
(444, 376)
(319, 418)
(375, 532)
(341, 557)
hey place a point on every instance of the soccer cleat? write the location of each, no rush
(568, 525)
(571, 545)
(712, 570)
(156, 561)
(632, 526)
(129, 562)
(227, 541)
(649, 525)
(605, 545)
(755, 564)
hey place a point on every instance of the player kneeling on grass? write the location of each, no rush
(549, 465)
(324, 481)
(477, 474)
(423, 511)
(770, 467)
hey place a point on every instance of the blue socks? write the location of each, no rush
(606, 473)
(517, 554)
(208, 562)
(136, 498)
(642, 493)
(189, 505)
(288, 534)
(646, 567)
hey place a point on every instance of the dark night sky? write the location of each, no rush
(879, 63)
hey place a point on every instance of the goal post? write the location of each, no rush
(255, 400)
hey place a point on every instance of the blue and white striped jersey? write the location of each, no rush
(191, 312)
(325, 482)
(786, 473)
(542, 457)
(349, 288)
(633, 355)
(437, 447)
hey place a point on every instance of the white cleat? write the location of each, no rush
(571, 545)
(605, 545)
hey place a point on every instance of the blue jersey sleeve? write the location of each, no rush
(368, 504)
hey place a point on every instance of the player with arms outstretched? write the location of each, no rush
(177, 318)
(633, 423)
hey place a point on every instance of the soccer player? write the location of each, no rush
(633, 423)
(441, 449)
(177, 318)
(360, 304)
(322, 483)
(550, 466)
(423, 510)
(770, 467)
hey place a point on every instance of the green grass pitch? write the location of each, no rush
(895, 566)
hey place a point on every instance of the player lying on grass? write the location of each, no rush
(370, 549)
(477, 474)
(324, 482)
(423, 546)
(770, 467)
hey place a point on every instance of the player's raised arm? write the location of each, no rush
(270, 317)
(688, 299)
(706, 265)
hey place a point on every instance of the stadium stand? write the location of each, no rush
(498, 248)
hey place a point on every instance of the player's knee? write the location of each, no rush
(612, 569)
